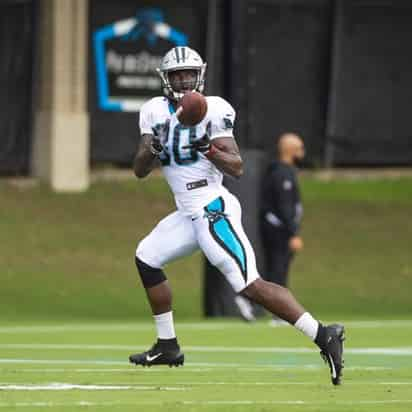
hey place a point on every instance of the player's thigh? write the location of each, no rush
(223, 240)
(173, 237)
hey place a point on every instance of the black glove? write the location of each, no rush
(202, 145)
(159, 135)
(155, 146)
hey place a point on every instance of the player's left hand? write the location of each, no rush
(201, 145)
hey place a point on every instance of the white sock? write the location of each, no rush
(308, 325)
(164, 325)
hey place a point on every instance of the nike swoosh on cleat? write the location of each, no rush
(152, 358)
(332, 367)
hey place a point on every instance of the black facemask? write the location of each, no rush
(180, 85)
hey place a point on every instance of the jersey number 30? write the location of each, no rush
(181, 136)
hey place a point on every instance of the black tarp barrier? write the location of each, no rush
(277, 76)
(280, 62)
(128, 64)
(218, 294)
(371, 87)
(16, 69)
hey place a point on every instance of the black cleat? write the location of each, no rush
(161, 353)
(332, 351)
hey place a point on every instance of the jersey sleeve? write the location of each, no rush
(146, 119)
(222, 119)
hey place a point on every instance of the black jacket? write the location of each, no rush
(280, 205)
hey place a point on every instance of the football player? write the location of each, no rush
(208, 216)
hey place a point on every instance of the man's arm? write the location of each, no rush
(285, 205)
(224, 154)
(145, 160)
(286, 210)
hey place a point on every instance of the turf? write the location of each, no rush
(67, 256)
(229, 366)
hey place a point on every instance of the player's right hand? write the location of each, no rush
(159, 135)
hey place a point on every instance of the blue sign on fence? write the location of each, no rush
(126, 54)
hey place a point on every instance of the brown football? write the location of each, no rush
(191, 108)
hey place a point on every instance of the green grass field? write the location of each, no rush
(72, 308)
(229, 366)
(74, 252)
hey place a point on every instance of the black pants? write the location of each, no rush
(277, 254)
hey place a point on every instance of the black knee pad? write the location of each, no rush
(150, 276)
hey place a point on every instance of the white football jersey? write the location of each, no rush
(194, 180)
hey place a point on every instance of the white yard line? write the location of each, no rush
(189, 366)
(133, 367)
(400, 351)
(128, 369)
(63, 386)
(100, 327)
(123, 363)
(298, 402)
(204, 325)
(210, 402)
(58, 386)
(60, 361)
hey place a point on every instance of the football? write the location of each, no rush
(191, 108)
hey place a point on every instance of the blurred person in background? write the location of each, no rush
(281, 211)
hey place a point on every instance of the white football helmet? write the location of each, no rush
(181, 58)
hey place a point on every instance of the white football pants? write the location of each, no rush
(217, 231)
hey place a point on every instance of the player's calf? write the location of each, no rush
(280, 301)
(275, 298)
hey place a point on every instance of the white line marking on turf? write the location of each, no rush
(301, 368)
(205, 325)
(211, 402)
(399, 351)
(56, 386)
(207, 365)
(102, 370)
(131, 367)
(254, 383)
(297, 402)
(127, 327)
(129, 386)
(62, 361)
